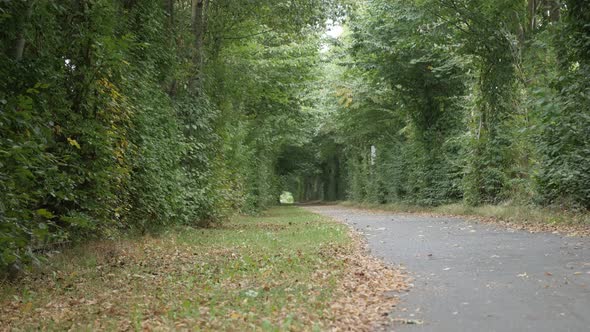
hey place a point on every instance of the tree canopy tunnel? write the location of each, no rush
(313, 171)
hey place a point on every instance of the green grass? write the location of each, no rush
(518, 214)
(251, 273)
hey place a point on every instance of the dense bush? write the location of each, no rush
(132, 115)
(565, 119)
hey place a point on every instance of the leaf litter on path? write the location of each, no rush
(162, 283)
(364, 299)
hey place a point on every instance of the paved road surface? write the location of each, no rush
(479, 277)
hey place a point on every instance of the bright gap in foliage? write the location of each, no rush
(287, 198)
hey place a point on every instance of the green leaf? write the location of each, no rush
(45, 214)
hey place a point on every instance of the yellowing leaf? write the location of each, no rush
(27, 307)
(73, 142)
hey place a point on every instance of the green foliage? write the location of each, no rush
(406, 115)
(441, 100)
(132, 115)
(564, 178)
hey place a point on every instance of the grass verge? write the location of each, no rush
(529, 218)
(286, 270)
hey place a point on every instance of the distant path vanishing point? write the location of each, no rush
(479, 277)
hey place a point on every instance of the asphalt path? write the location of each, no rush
(472, 276)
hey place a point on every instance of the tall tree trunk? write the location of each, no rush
(532, 11)
(555, 10)
(169, 7)
(22, 26)
(205, 16)
(198, 24)
(171, 30)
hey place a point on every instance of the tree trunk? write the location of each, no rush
(169, 7)
(532, 10)
(555, 10)
(171, 29)
(21, 38)
(198, 24)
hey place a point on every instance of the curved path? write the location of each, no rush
(479, 277)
